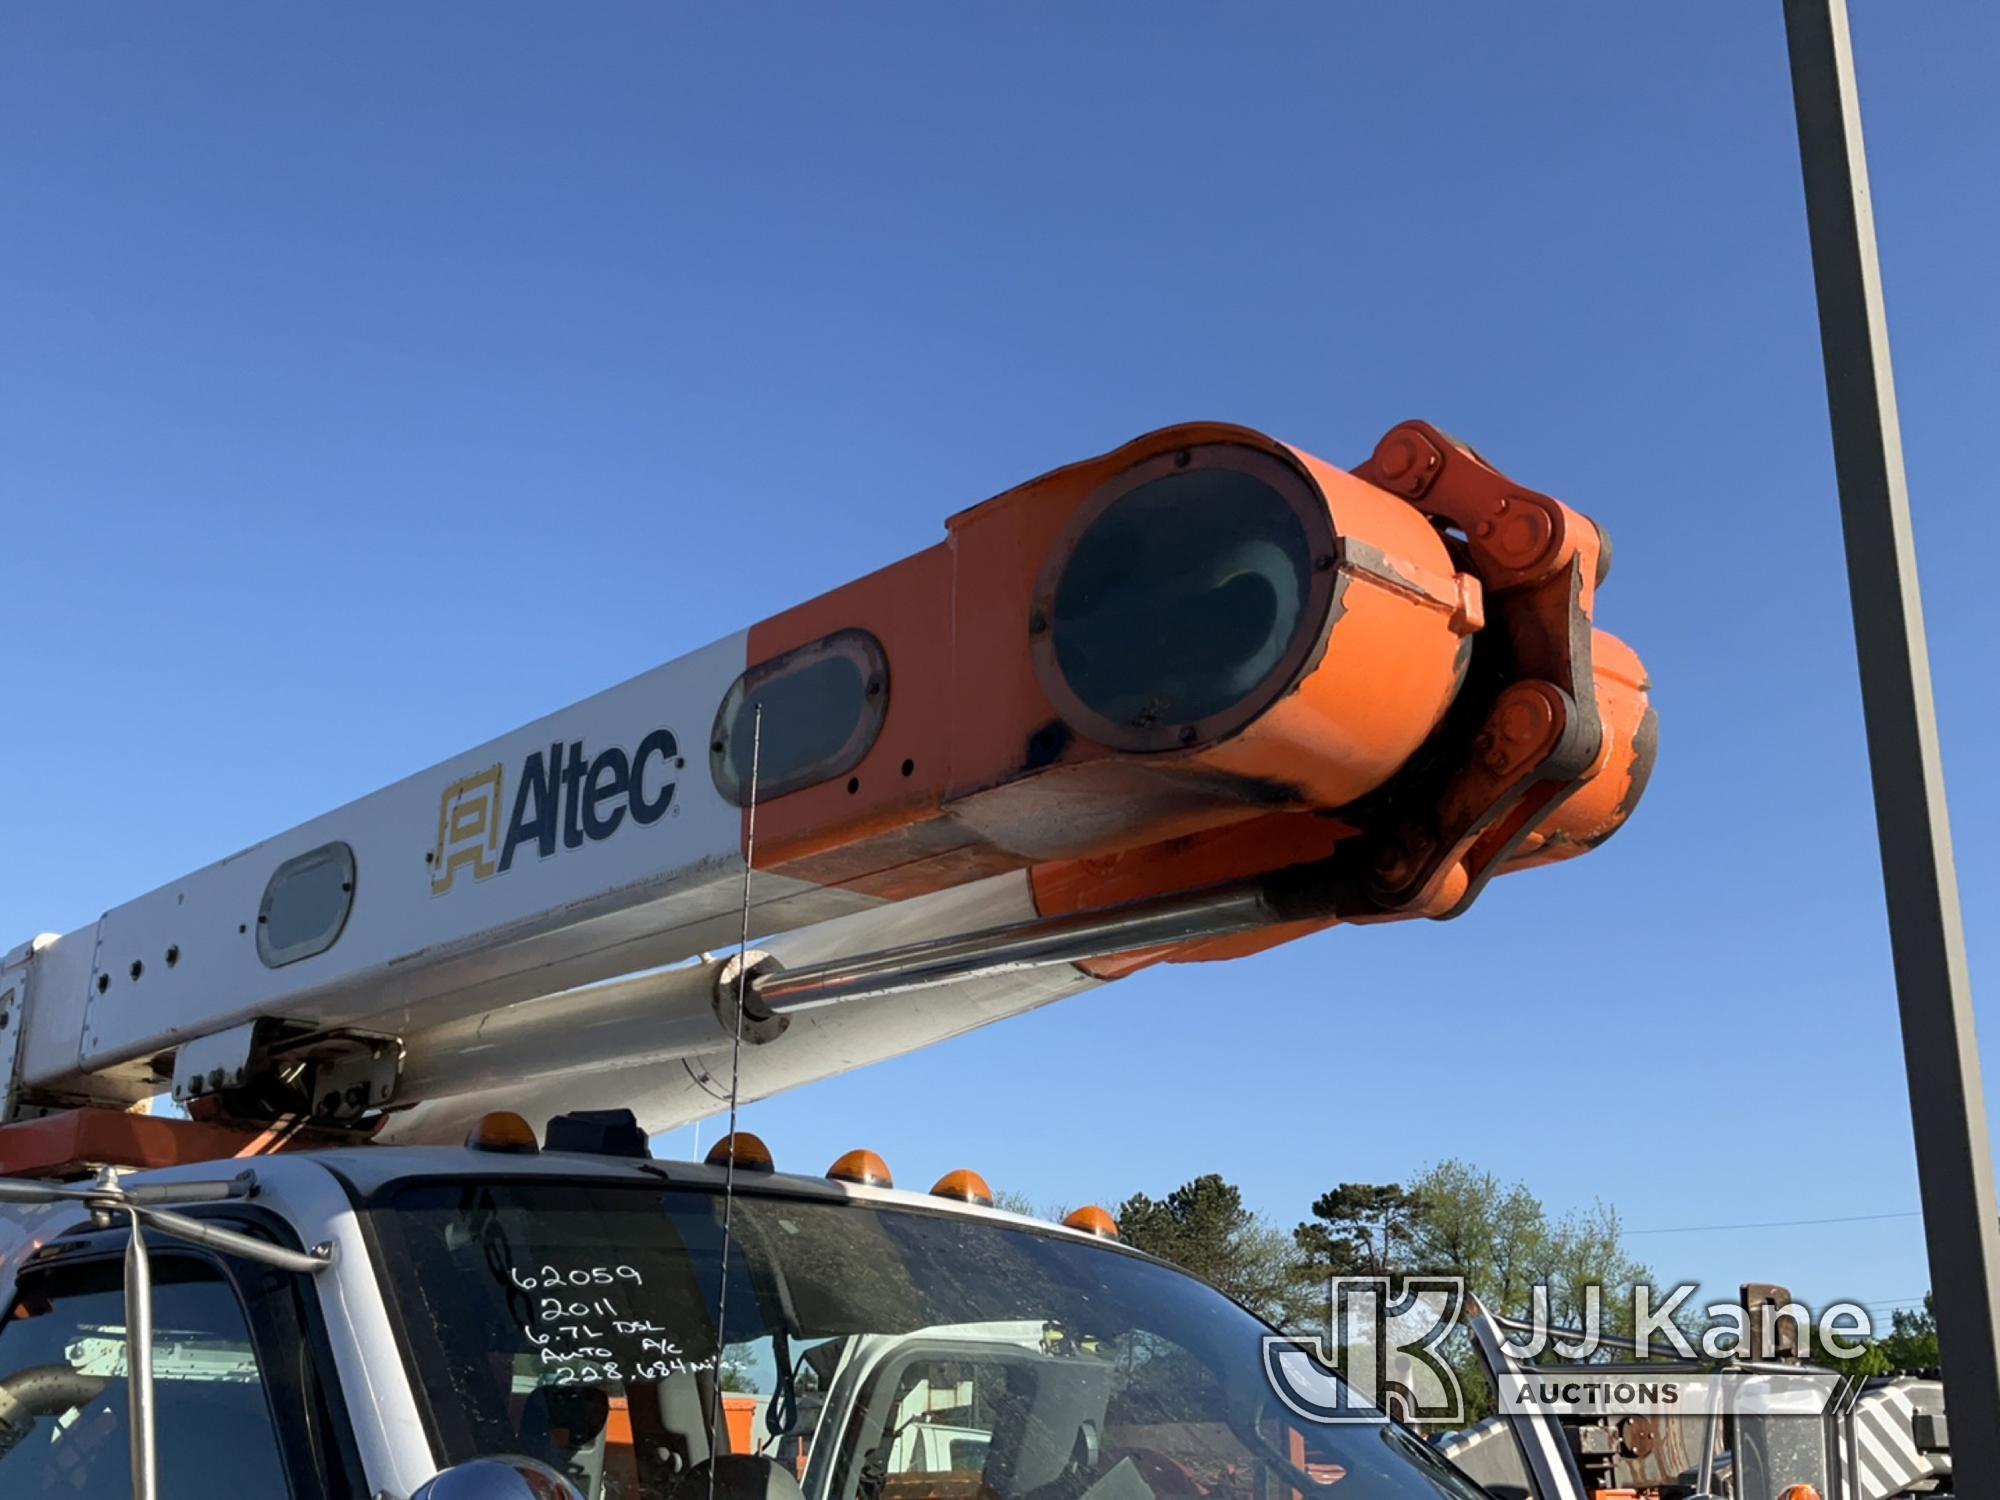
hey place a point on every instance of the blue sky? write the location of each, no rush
(375, 379)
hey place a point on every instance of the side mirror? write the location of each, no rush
(508, 1478)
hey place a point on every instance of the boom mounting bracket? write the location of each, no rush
(270, 1069)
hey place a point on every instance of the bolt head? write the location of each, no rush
(1397, 457)
(1405, 462)
(1518, 722)
(1523, 536)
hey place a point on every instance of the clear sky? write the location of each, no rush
(376, 378)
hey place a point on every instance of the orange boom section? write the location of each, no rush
(1204, 656)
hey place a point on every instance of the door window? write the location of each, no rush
(64, 1414)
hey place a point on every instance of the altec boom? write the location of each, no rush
(1184, 701)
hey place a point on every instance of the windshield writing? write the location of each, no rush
(868, 1353)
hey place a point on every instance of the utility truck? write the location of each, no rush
(1196, 697)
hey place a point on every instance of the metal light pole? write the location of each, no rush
(1927, 940)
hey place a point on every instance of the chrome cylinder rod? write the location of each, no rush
(1219, 911)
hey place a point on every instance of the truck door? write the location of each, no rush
(239, 1408)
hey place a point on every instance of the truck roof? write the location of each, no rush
(366, 1170)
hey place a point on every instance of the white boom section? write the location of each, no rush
(589, 844)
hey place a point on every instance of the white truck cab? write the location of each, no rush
(562, 1307)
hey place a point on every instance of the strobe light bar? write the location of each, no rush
(1206, 692)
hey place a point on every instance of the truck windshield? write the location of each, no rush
(867, 1353)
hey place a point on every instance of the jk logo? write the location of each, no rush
(1384, 1354)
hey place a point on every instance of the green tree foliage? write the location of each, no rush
(1358, 1229)
(735, 1374)
(1456, 1220)
(1911, 1347)
(1499, 1238)
(1451, 1220)
(1203, 1227)
(1011, 1202)
(1912, 1344)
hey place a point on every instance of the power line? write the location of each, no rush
(1775, 1223)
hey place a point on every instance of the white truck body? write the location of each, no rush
(328, 1358)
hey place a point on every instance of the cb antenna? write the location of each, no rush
(735, 1081)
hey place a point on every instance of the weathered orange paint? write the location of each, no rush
(965, 702)
(1601, 805)
(976, 771)
(74, 1143)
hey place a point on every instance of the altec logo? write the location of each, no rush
(562, 797)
